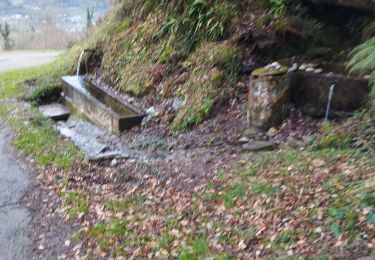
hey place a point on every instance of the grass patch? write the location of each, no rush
(76, 204)
(35, 134)
(108, 233)
(235, 192)
(286, 237)
(262, 187)
(199, 249)
(123, 205)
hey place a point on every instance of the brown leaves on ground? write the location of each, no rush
(277, 204)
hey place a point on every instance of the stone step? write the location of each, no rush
(55, 111)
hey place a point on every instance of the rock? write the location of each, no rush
(312, 65)
(303, 67)
(273, 66)
(309, 69)
(55, 111)
(151, 111)
(244, 140)
(256, 146)
(317, 71)
(177, 104)
(294, 68)
(367, 77)
(114, 162)
(268, 97)
(152, 114)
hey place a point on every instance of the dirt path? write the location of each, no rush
(14, 217)
(18, 60)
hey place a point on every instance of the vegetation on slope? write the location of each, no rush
(145, 45)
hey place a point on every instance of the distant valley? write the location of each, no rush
(49, 24)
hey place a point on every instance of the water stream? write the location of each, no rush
(330, 95)
(79, 63)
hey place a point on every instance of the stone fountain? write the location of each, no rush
(98, 105)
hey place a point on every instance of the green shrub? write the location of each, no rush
(201, 20)
(45, 93)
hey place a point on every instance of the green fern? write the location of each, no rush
(363, 60)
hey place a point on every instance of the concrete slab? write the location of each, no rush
(55, 111)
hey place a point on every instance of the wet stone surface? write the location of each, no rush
(55, 111)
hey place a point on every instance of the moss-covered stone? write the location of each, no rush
(263, 72)
(268, 97)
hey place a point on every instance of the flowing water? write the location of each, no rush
(330, 95)
(79, 63)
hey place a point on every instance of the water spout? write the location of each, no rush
(79, 63)
(330, 95)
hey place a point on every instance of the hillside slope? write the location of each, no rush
(199, 53)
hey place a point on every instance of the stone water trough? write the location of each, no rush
(98, 106)
(322, 92)
(310, 91)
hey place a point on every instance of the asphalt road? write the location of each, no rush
(15, 175)
(18, 60)
(14, 217)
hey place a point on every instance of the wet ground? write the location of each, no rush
(18, 60)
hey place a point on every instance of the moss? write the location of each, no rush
(262, 72)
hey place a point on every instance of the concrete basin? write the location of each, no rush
(98, 106)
